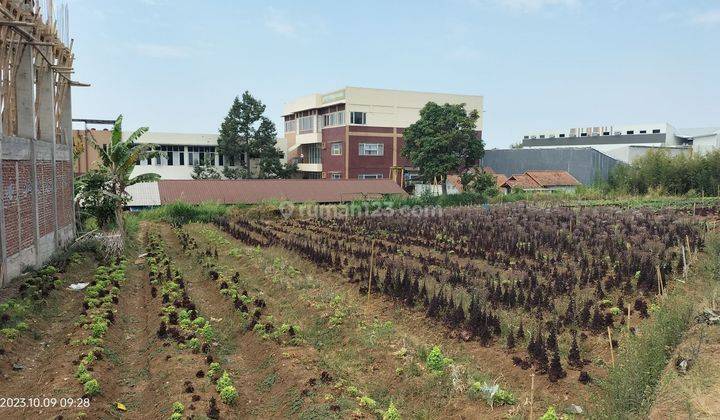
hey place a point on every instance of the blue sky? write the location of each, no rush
(176, 65)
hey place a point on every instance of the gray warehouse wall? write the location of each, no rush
(585, 164)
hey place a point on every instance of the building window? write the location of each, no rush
(221, 159)
(526, 137)
(606, 133)
(630, 132)
(371, 149)
(359, 118)
(336, 149)
(200, 155)
(172, 155)
(335, 175)
(542, 136)
(307, 123)
(290, 126)
(370, 176)
(643, 131)
(583, 134)
(656, 131)
(562, 135)
(334, 119)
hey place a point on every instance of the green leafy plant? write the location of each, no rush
(391, 413)
(92, 387)
(435, 360)
(228, 394)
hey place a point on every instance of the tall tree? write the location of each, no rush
(246, 134)
(443, 141)
(117, 161)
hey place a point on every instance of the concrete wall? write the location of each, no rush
(585, 164)
(37, 212)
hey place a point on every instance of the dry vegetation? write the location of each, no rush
(263, 318)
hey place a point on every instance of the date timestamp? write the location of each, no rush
(44, 402)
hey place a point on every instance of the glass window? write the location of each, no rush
(631, 132)
(335, 175)
(371, 149)
(290, 126)
(306, 123)
(336, 149)
(358, 118)
(333, 119)
(370, 176)
(656, 131)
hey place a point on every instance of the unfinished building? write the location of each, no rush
(37, 212)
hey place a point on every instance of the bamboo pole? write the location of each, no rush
(685, 266)
(532, 394)
(372, 266)
(612, 354)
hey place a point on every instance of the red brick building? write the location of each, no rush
(357, 133)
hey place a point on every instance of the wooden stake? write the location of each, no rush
(627, 322)
(372, 266)
(687, 245)
(685, 267)
(612, 354)
(532, 394)
(661, 287)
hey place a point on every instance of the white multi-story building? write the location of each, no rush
(628, 142)
(181, 151)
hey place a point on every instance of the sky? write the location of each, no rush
(176, 65)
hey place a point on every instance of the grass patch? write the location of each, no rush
(180, 213)
(629, 389)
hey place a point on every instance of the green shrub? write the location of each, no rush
(391, 413)
(214, 369)
(435, 360)
(180, 213)
(228, 394)
(92, 387)
(492, 394)
(368, 402)
(224, 381)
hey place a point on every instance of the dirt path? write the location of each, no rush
(270, 376)
(45, 353)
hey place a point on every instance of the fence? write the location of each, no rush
(37, 212)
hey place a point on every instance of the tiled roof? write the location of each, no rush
(256, 190)
(553, 178)
(521, 181)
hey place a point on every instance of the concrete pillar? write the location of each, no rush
(25, 97)
(3, 245)
(25, 94)
(46, 120)
(66, 126)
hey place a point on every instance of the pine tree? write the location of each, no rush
(570, 313)
(552, 343)
(598, 322)
(574, 359)
(246, 133)
(521, 332)
(556, 371)
(511, 339)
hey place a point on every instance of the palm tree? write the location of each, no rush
(118, 159)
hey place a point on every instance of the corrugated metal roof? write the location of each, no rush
(553, 178)
(251, 191)
(144, 194)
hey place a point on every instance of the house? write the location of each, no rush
(541, 181)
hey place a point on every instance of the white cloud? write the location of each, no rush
(163, 50)
(711, 17)
(276, 21)
(536, 5)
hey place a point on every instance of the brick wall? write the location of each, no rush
(29, 200)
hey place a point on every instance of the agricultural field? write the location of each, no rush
(478, 312)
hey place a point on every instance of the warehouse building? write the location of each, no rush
(585, 164)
